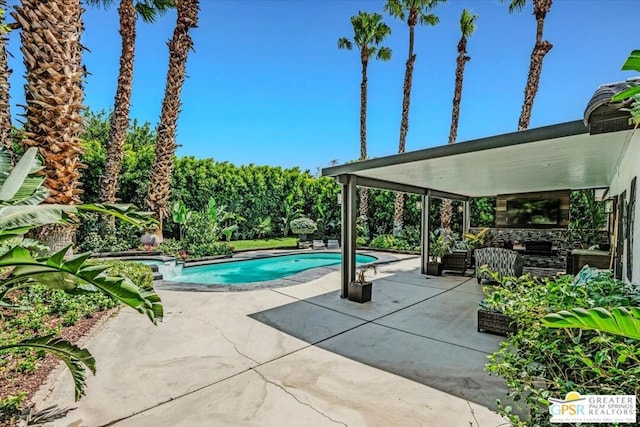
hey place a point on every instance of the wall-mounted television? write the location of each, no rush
(527, 211)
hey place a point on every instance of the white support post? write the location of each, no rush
(466, 216)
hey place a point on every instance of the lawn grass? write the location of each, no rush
(280, 242)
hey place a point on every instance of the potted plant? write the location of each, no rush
(302, 227)
(360, 289)
(475, 241)
(439, 246)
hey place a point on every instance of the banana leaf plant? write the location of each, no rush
(21, 210)
(633, 91)
(618, 321)
(180, 215)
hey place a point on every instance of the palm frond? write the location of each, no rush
(344, 43)
(74, 357)
(515, 5)
(395, 9)
(384, 54)
(468, 22)
(428, 19)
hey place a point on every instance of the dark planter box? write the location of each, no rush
(434, 269)
(455, 261)
(360, 292)
(495, 323)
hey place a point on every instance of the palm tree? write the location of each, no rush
(5, 72)
(369, 31)
(54, 94)
(414, 11)
(148, 10)
(540, 49)
(467, 27)
(179, 47)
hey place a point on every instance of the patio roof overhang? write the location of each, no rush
(564, 156)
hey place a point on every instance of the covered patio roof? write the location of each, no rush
(564, 156)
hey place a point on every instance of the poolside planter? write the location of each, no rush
(434, 268)
(360, 292)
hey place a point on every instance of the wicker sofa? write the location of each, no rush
(503, 261)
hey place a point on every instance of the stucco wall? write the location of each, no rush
(630, 167)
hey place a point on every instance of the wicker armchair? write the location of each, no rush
(504, 261)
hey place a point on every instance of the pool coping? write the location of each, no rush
(295, 279)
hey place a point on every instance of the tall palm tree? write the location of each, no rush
(128, 11)
(467, 27)
(179, 47)
(415, 12)
(369, 31)
(5, 72)
(540, 49)
(50, 42)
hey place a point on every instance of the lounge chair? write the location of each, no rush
(318, 244)
(333, 244)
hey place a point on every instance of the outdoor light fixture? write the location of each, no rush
(608, 206)
(340, 198)
(419, 205)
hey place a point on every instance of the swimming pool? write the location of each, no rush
(260, 270)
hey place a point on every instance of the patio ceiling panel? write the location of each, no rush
(556, 157)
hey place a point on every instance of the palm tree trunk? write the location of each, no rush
(54, 94)
(179, 47)
(457, 93)
(446, 211)
(540, 49)
(5, 109)
(398, 206)
(122, 103)
(364, 194)
(398, 214)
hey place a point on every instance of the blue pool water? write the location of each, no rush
(260, 270)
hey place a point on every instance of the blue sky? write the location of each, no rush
(268, 85)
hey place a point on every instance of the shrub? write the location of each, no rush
(170, 247)
(389, 241)
(200, 236)
(99, 235)
(411, 234)
(538, 362)
(209, 249)
(303, 226)
(139, 273)
(385, 241)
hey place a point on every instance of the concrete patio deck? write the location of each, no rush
(297, 355)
